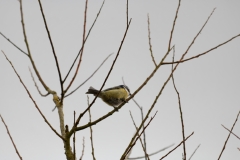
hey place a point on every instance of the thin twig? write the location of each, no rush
(142, 117)
(199, 32)
(173, 26)
(29, 52)
(151, 154)
(84, 42)
(52, 46)
(231, 132)
(134, 142)
(88, 77)
(95, 122)
(110, 113)
(91, 131)
(201, 54)
(143, 147)
(194, 152)
(151, 75)
(127, 12)
(224, 146)
(149, 41)
(8, 132)
(144, 133)
(35, 83)
(74, 137)
(176, 146)
(128, 155)
(180, 109)
(82, 149)
(13, 44)
(29, 94)
(149, 111)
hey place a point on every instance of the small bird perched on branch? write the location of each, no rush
(112, 96)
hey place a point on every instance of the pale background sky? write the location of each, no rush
(209, 86)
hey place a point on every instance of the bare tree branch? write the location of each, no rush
(55, 96)
(74, 137)
(149, 111)
(151, 154)
(194, 152)
(29, 52)
(29, 94)
(199, 32)
(180, 109)
(13, 44)
(82, 149)
(88, 77)
(224, 146)
(52, 46)
(84, 42)
(142, 117)
(231, 132)
(35, 83)
(81, 115)
(176, 146)
(143, 147)
(8, 132)
(201, 54)
(143, 84)
(151, 75)
(173, 26)
(120, 106)
(160, 92)
(91, 131)
(149, 41)
(134, 142)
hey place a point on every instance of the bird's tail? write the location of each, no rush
(92, 90)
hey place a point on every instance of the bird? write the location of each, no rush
(113, 96)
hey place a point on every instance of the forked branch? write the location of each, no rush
(35, 83)
(151, 154)
(143, 147)
(29, 52)
(224, 146)
(29, 94)
(82, 114)
(176, 146)
(84, 42)
(136, 139)
(89, 76)
(52, 46)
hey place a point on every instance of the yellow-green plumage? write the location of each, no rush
(110, 96)
(113, 96)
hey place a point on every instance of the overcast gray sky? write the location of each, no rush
(209, 85)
